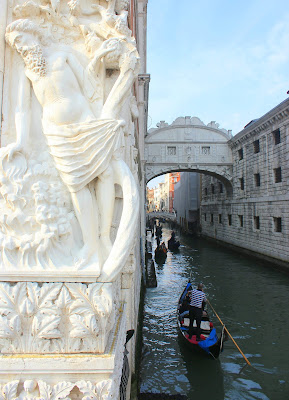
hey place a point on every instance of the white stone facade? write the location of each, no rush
(188, 145)
(74, 90)
(255, 216)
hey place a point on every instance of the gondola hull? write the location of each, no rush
(210, 344)
(211, 352)
(160, 256)
(174, 246)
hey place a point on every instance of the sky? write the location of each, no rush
(219, 60)
(223, 61)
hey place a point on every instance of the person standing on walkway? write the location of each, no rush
(197, 297)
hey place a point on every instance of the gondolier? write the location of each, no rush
(197, 297)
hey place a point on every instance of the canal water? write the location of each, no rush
(250, 298)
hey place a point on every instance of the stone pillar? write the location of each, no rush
(143, 89)
(142, 25)
(3, 23)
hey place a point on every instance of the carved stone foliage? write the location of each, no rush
(101, 391)
(40, 390)
(55, 317)
(9, 391)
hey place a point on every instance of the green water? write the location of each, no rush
(253, 302)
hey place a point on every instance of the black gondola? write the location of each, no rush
(173, 244)
(161, 252)
(210, 344)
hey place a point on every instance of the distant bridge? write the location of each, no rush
(162, 214)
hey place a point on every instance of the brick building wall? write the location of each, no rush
(256, 215)
(174, 177)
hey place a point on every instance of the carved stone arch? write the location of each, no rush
(189, 145)
(223, 174)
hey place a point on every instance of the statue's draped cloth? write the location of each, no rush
(82, 151)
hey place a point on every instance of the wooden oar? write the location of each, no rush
(246, 359)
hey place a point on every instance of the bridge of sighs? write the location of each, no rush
(189, 145)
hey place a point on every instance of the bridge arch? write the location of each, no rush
(189, 145)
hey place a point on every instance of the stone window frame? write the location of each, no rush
(220, 219)
(205, 217)
(171, 150)
(230, 219)
(241, 220)
(277, 224)
(257, 179)
(221, 188)
(256, 146)
(277, 175)
(241, 154)
(276, 136)
(256, 221)
(212, 218)
(206, 150)
(213, 188)
(242, 183)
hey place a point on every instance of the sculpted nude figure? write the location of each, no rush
(82, 136)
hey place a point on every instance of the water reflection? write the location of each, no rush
(253, 302)
(204, 375)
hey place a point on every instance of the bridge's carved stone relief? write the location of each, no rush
(188, 145)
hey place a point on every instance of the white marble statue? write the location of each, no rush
(82, 121)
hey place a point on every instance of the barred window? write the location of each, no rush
(240, 154)
(172, 151)
(241, 183)
(241, 221)
(277, 175)
(256, 146)
(257, 222)
(276, 136)
(206, 150)
(277, 224)
(257, 179)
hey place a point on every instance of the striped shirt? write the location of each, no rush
(197, 297)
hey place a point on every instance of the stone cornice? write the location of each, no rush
(185, 142)
(187, 127)
(144, 78)
(251, 200)
(276, 115)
